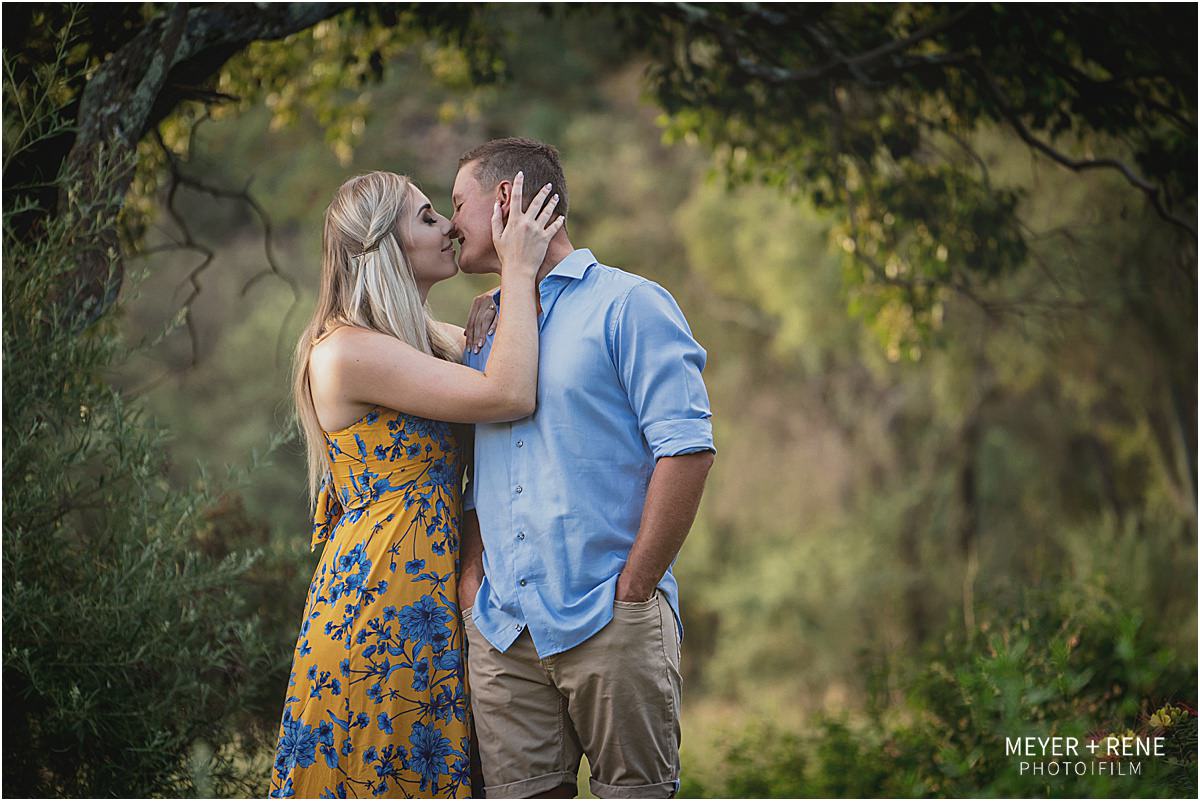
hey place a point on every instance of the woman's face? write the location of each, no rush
(427, 242)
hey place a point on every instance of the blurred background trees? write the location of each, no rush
(943, 261)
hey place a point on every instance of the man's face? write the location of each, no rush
(472, 221)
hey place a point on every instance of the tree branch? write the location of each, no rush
(189, 242)
(1154, 193)
(180, 178)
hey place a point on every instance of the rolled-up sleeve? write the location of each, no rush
(660, 365)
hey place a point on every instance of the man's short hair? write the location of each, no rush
(500, 159)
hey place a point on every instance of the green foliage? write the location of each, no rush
(1054, 666)
(130, 657)
(272, 592)
(331, 70)
(1059, 666)
(870, 111)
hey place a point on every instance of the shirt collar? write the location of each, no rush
(574, 265)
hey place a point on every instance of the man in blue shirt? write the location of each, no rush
(575, 514)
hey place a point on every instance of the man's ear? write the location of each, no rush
(504, 195)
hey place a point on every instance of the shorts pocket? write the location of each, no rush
(640, 607)
(638, 604)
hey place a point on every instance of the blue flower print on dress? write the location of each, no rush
(424, 623)
(429, 752)
(297, 746)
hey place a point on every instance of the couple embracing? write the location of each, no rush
(533, 617)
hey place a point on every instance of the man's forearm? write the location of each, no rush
(667, 515)
(470, 556)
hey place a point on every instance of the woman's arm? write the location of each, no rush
(362, 366)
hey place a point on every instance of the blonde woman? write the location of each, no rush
(376, 704)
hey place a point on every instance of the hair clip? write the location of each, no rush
(365, 251)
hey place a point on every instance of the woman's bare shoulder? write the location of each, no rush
(347, 342)
(451, 329)
(351, 346)
(457, 335)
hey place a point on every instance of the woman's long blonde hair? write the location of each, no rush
(366, 281)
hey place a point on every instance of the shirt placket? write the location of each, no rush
(525, 561)
(521, 500)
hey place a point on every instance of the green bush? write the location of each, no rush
(129, 653)
(1057, 664)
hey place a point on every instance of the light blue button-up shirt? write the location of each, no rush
(559, 494)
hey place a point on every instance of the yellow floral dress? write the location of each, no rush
(377, 698)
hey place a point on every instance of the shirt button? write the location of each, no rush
(522, 582)
(520, 489)
(520, 535)
(517, 627)
(520, 443)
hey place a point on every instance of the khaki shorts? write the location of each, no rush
(614, 697)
